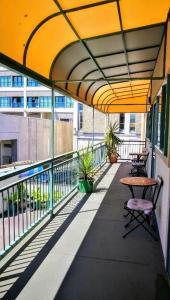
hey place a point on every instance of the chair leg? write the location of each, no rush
(154, 237)
(140, 224)
(133, 218)
(131, 230)
(126, 215)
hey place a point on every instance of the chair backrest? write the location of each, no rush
(157, 189)
(144, 158)
(144, 150)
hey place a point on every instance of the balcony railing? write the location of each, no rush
(38, 189)
(127, 147)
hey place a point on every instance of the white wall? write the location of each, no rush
(162, 212)
(163, 205)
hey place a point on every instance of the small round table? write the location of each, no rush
(138, 181)
(138, 155)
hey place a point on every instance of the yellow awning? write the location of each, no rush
(95, 51)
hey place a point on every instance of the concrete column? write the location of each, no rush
(42, 115)
(143, 126)
(25, 97)
(127, 123)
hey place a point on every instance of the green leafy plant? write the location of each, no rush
(45, 197)
(17, 194)
(111, 140)
(86, 164)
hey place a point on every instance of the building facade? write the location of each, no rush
(26, 97)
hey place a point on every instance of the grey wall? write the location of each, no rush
(33, 136)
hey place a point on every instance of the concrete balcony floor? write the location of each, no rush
(80, 254)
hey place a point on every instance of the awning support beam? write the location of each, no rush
(82, 42)
(108, 79)
(51, 173)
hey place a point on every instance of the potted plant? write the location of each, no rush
(86, 171)
(112, 141)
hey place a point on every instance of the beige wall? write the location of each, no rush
(99, 120)
(158, 72)
(138, 123)
(33, 136)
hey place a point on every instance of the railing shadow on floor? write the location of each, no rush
(42, 242)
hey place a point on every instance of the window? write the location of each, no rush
(149, 124)
(32, 102)
(5, 81)
(163, 119)
(60, 101)
(65, 120)
(17, 81)
(32, 82)
(45, 101)
(17, 102)
(121, 122)
(80, 116)
(80, 107)
(159, 120)
(132, 122)
(5, 101)
(69, 102)
(155, 122)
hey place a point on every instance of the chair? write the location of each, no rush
(142, 210)
(144, 151)
(139, 167)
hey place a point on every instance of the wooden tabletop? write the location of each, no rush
(138, 181)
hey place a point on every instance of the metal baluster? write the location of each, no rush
(26, 206)
(3, 221)
(44, 197)
(18, 213)
(8, 211)
(37, 203)
(30, 200)
(13, 213)
(48, 191)
(22, 205)
(33, 198)
(40, 196)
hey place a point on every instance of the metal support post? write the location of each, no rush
(108, 120)
(93, 129)
(51, 183)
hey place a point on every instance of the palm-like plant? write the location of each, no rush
(86, 164)
(111, 140)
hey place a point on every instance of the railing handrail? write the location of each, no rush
(133, 141)
(43, 162)
(50, 160)
(26, 178)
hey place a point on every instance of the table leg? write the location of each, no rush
(144, 192)
(131, 189)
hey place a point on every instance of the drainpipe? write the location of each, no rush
(51, 183)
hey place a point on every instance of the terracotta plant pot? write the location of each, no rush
(113, 158)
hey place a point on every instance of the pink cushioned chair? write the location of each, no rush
(142, 210)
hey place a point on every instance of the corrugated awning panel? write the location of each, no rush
(86, 40)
